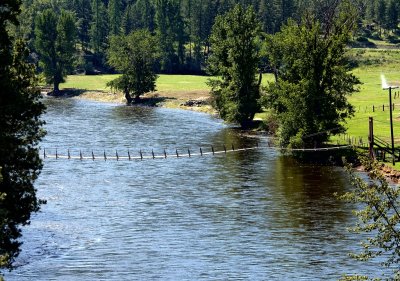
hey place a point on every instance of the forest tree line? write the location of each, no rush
(182, 27)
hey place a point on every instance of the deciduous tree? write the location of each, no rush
(313, 79)
(378, 220)
(55, 43)
(235, 43)
(134, 56)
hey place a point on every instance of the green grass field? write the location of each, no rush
(164, 82)
(372, 63)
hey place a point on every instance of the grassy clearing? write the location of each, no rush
(371, 64)
(165, 83)
(374, 63)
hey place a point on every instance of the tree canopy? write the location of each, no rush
(55, 42)
(134, 56)
(313, 79)
(378, 218)
(235, 43)
(20, 132)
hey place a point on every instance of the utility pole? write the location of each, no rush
(391, 120)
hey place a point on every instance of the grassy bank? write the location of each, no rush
(171, 90)
(174, 90)
(372, 100)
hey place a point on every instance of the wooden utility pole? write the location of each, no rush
(371, 138)
(391, 121)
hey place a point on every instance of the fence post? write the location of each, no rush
(371, 138)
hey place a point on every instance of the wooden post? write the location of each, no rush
(373, 108)
(391, 126)
(371, 138)
(383, 107)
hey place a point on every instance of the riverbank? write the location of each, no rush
(189, 92)
(187, 100)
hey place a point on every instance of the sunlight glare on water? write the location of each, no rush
(252, 215)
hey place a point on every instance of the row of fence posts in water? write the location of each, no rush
(141, 154)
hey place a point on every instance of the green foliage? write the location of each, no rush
(235, 43)
(170, 30)
(20, 132)
(313, 80)
(379, 217)
(99, 28)
(114, 15)
(134, 55)
(55, 43)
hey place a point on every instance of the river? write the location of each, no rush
(254, 215)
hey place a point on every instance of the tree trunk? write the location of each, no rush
(128, 97)
(56, 88)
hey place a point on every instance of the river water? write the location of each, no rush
(253, 215)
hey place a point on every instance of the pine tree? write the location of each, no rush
(114, 16)
(392, 14)
(20, 132)
(99, 29)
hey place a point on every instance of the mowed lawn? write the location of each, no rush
(164, 82)
(373, 63)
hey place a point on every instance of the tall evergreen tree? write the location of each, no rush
(115, 16)
(99, 29)
(20, 132)
(170, 30)
(83, 11)
(235, 57)
(55, 43)
(381, 14)
(392, 14)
